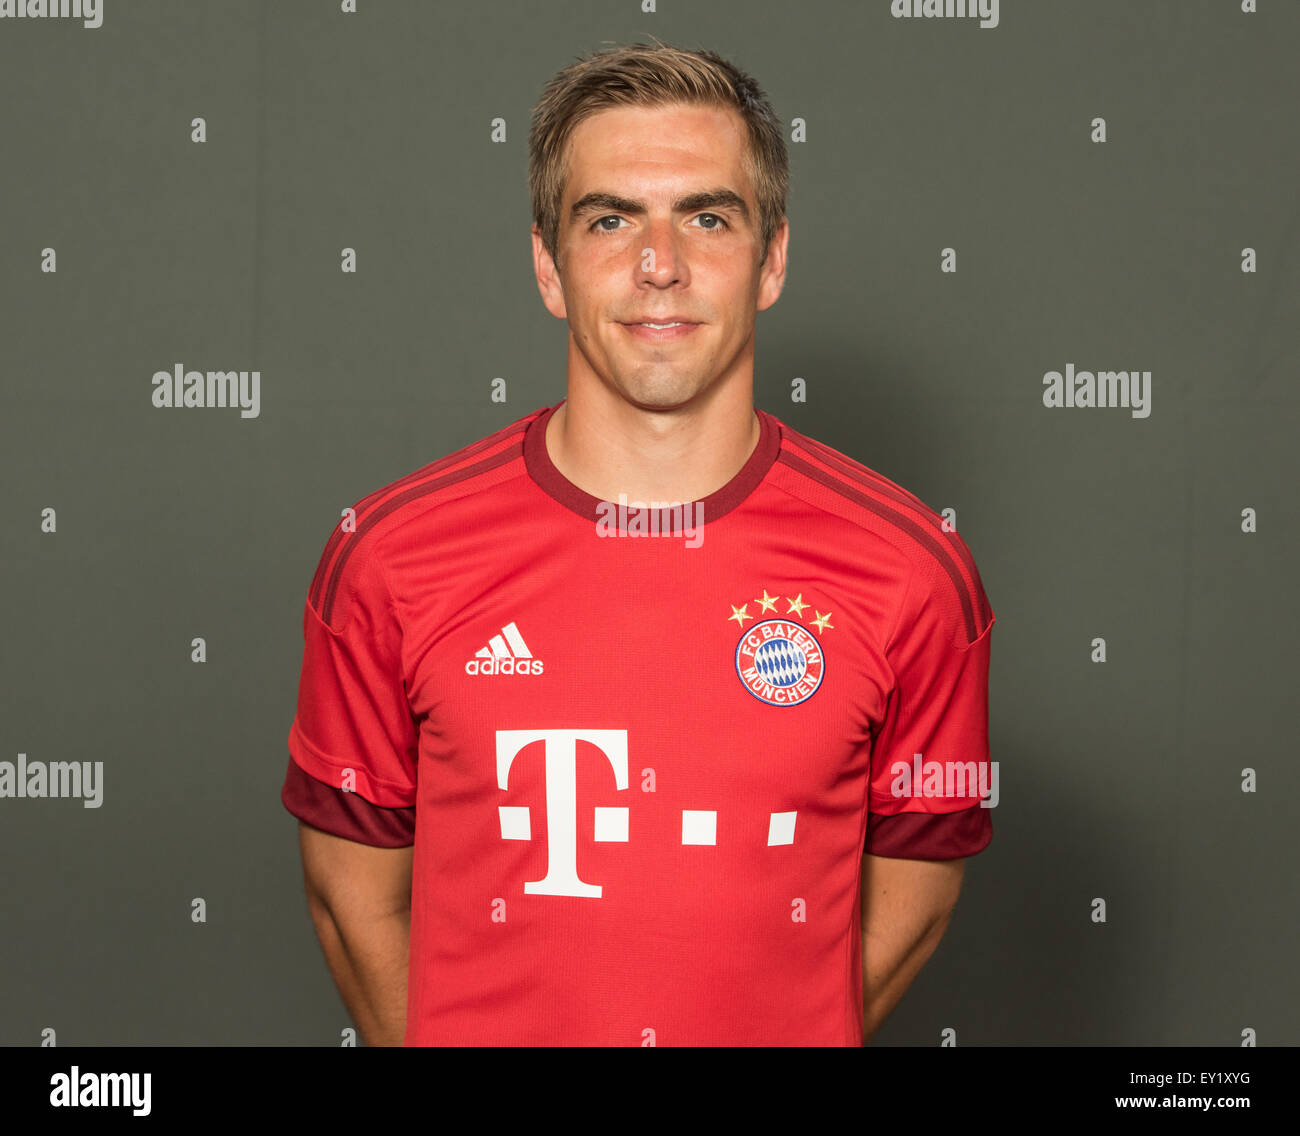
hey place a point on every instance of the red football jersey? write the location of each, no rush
(639, 751)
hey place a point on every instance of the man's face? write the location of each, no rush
(638, 249)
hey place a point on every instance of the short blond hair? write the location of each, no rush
(650, 75)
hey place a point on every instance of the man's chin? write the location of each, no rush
(659, 396)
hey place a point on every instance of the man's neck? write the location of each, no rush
(607, 447)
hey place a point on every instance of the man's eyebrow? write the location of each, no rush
(704, 199)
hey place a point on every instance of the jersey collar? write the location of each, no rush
(717, 504)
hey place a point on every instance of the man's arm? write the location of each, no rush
(906, 905)
(360, 901)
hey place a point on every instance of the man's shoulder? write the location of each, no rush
(883, 520)
(366, 527)
(457, 473)
(835, 482)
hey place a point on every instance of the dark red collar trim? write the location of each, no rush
(717, 504)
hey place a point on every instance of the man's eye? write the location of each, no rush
(597, 226)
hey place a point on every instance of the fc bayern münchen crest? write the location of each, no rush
(780, 662)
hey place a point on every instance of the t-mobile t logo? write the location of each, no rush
(699, 826)
(562, 801)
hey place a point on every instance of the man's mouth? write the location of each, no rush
(659, 330)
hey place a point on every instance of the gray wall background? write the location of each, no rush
(1120, 780)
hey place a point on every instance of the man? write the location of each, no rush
(624, 773)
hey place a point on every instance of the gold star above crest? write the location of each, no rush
(739, 614)
(823, 621)
(796, 605)
(768, 602)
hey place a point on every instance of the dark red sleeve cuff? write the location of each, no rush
(348, 815)
(930, 836)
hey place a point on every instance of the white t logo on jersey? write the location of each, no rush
(562, 797)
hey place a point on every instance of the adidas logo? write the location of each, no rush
(505, 654)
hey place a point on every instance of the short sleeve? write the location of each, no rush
(353, 728)
(930, 766)
(348, 815)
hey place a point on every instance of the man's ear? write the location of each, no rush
(548, 277)
(771, 278)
